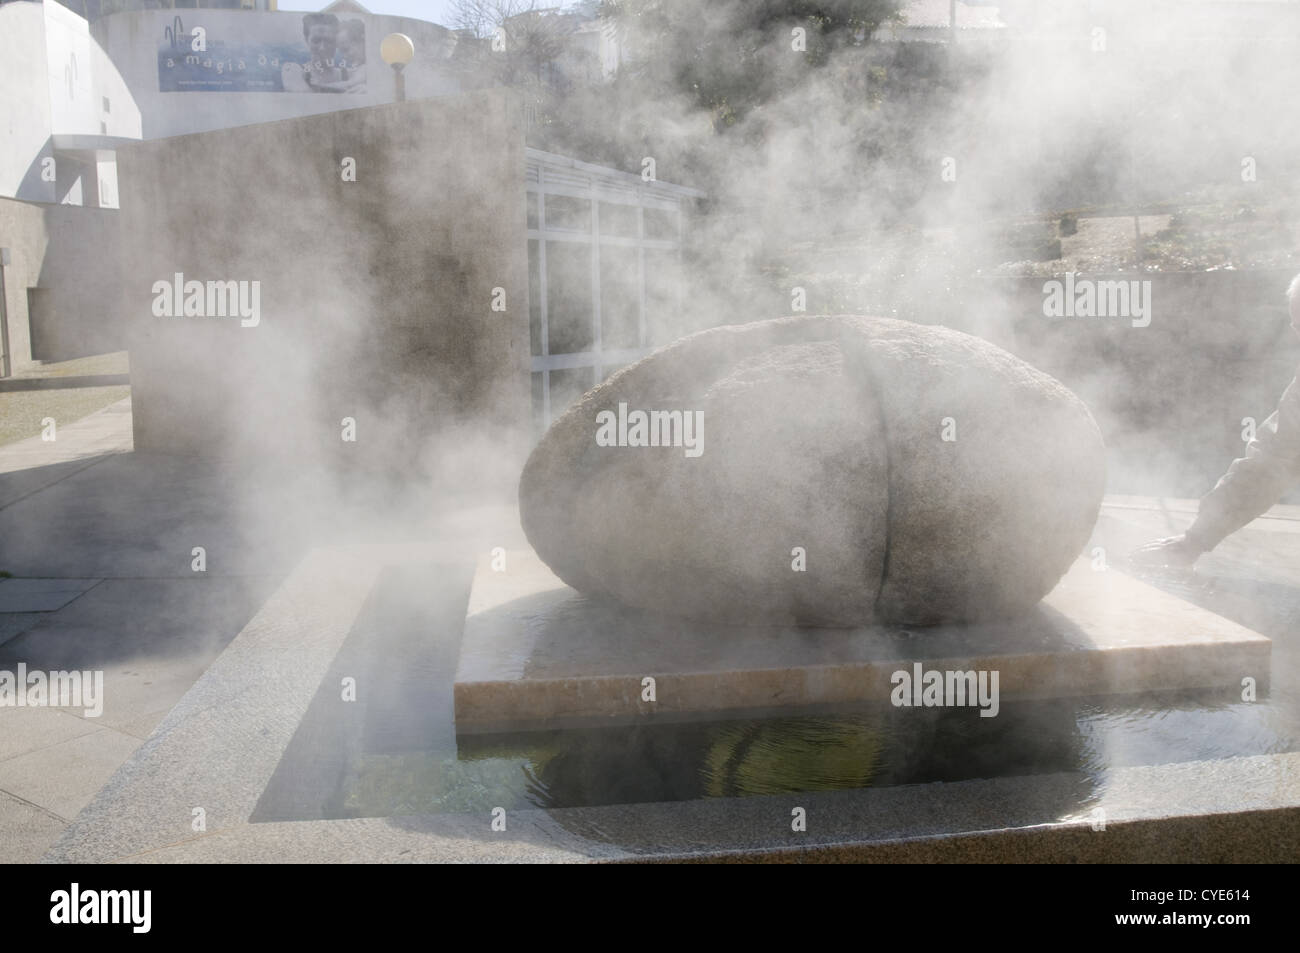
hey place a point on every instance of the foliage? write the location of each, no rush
(733, 56)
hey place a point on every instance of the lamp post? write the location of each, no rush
(397, 50)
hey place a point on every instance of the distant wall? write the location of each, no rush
(375, 294)
(1169, 398)
(78, 313)
(63, 282)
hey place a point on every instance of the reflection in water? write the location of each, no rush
(791, 755)
(778, 755)
(734, 758)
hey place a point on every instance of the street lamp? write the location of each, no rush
(397, 50)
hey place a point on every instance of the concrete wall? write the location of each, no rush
(81, 277)
(23, 232)
(67, 257)
(25, 121)
(69, 71)
(122, 116)
(133, 38)
(375, 294)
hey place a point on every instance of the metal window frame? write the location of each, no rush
(551, 174)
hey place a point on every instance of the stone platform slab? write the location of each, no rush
(538, 654)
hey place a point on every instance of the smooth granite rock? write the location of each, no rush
(825, 434)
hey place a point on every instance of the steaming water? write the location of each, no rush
(398, 754)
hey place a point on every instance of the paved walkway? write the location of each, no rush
(40, 793)
(98, 542)
(31, 464)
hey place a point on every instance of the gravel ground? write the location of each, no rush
(21, 412)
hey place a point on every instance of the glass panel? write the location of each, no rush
(660, 225)
(619, 299)
(662, 297)
(568, 213)
(532, 209)
(568, 297)
(617, 220)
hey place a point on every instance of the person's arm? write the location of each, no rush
(1252, 484)
(1255, 481)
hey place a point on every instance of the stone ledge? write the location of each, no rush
(535, 653)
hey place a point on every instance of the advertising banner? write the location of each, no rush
(274, 54)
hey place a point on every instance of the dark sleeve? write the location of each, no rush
(1256, 481)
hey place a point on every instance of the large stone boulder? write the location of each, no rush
(848, 470)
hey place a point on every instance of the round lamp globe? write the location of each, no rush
(397, 49)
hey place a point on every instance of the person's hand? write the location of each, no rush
(1173, 552)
